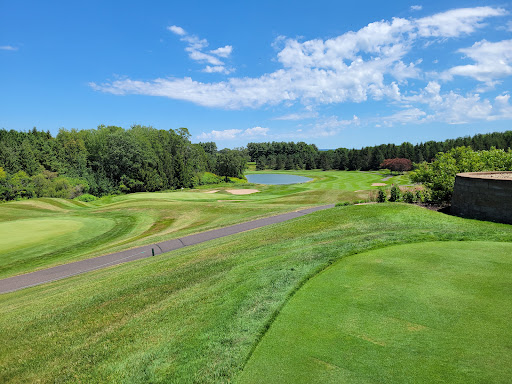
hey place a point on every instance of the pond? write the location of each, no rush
(276, 179)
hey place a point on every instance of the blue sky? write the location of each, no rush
(332, 73)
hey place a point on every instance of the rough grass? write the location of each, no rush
(76, 230)
(196, 314)
(416, 313)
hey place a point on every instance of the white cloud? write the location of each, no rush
(177, 30)
(256, 131)
(223, 51)
(456, 22)
(454, 108)
(492, 61)
(227, 134)
(230, 134)
(217, 69)
(195, 49)
(406, 116)
(8, 48)
(330, 126)
(354, 67)
(297, 116)
(416, 7)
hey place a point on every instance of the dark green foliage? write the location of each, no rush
(409, 197)
(86, 197)
(231, 163)
(261, 163)
(381, 196)
(103, 161)
(305, 156)
(394, 194)
(439, 176)
(343, 203)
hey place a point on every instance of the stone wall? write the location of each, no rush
(483, 196)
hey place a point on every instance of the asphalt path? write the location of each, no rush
(42, 276)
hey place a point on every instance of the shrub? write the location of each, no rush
(209, 178)
(381, 197)
(397, 165)
(86, 197)
(439, 176)
(343, 203)
(394, 194)
(236, 180)
(409, 197)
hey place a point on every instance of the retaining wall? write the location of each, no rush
(477, 195)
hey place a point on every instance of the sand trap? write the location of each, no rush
(214, 191)
(378, 185)
(241, 191)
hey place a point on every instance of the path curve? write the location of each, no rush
(59, 272)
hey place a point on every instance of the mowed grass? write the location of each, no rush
(41, 233)
(195, 315)
(418, 313)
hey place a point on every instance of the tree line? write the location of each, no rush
(290, 155)
(109, 160)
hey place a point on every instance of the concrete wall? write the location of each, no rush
(478, 196)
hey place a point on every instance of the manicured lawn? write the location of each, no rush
(40, 233)
(196, 314)
(418, 313)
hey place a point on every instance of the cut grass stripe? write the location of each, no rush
(420, 313)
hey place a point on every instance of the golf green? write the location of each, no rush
(418, 313)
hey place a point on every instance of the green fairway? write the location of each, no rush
(14, 237)
(40, 233)
(195, 315)
(34, 243)
(418, 313)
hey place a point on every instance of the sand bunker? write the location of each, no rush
(241, 191)
(214, 191)
(378, 185)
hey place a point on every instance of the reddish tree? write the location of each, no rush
(397, 165)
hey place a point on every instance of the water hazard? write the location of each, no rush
(276, 179)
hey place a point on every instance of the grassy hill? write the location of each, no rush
(197, 314)
(432, 312)
(40, 233)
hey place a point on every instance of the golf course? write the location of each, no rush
(359, 293)
(44, 232)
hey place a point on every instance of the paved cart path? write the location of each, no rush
(15, 283)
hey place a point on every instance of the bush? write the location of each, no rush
(343, 203)
(381, 197)
(236, 180)
(395, 194)
(209, 178)
(397, 165)
(86, 197)
(439, 176)
(409, 197)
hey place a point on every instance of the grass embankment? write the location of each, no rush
(40, 233)
(416, 313)
(196, 314)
